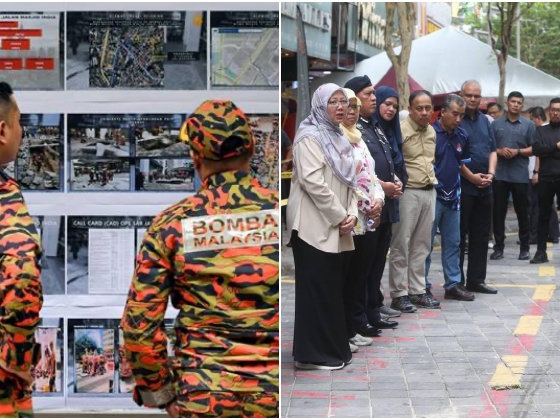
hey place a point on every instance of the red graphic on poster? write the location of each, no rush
(21, 32)
(39, 64)
(20, 40)
(8, 24)
(16, 44)
(11, 64)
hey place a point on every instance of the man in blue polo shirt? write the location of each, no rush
(452, 152)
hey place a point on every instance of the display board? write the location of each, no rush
(103, 89)
(30, 53)
(245, 49)
(136, 50)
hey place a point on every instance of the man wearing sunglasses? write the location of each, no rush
(476, 190)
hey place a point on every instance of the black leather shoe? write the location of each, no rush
(497, 255)
(385, 325)
(482, 288)
(368, 331)
(524, 255)
(539, 258)
(554, 241)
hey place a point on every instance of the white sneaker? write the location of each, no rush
(353, 348)
(313, 366)
(359, 340)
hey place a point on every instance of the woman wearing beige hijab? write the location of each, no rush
(370, 202)
(322, 211)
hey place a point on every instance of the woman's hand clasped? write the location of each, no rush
(347, 225)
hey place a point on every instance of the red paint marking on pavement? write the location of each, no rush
(527, 340)
(378, 364)
(414, 328)
(535, 311)
(430, 315)
(344, 397)
(384, 351)
(310, 394)
(382, 339)
(400, 339)
(542, 303)
(311, 375)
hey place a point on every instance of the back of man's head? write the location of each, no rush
(538, 112)
(493, 104)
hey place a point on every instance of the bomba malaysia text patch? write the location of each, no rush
(236, 230)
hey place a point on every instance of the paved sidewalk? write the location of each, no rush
(498, 356)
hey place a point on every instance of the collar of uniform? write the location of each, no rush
(363, 119)
(5, 178)
(229, 177)
(439, 129)
(415, 126)
(475, 117)
(518, 120)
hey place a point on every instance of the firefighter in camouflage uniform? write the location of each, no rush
(215, 254)
(20, 287)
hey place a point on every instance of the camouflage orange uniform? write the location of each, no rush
(216, 255)
(21, 300)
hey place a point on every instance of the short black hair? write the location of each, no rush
(516, 94)
(417, 93)
(452, 98)
(6, 103)
(538, 112)
(491, 104)
(555, 101)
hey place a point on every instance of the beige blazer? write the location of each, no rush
(318, 200)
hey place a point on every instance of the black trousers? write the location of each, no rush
(546, 191)
(320, 328)
(284, 193)
(553, 228)
(476, 217)
(369, 297)
(502, 189)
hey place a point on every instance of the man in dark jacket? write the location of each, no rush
(547, 148)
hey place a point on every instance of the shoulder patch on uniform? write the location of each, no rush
(220, 231)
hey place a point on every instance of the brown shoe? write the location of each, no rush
(458, 293)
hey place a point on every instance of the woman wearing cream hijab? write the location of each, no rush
(370, 202)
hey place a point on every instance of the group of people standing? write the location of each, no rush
(365, 182)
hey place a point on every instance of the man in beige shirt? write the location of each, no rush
(411, 244)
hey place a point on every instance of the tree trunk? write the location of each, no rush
(502, 67)
(407, 17)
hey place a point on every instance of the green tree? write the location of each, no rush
(540, 31)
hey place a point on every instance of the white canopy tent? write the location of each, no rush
(442, 61)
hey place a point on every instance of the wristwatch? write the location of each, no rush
(493, 174)
(535, 172)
